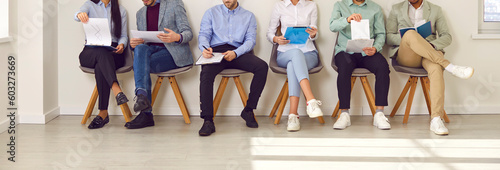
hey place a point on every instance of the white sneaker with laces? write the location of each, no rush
(462, 72)
(438, 127)
(343, 121)
(293, 123)
(313, 109)
(380, 121)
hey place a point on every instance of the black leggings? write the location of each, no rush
(376, 64)
(105, 62)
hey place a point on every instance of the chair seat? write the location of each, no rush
(232, 72)
(175, 72)
(123, 69)
(281, 70)
(408, 70)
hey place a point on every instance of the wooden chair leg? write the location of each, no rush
(284, 99)
(220, 92)
(126, 112)
(424, 81)
(410, 99)
(445, 117)
(337, 108)
(159, 81)
(401, 97)
(180, 99)
(241, 90)
(90, 106)
(278, 100)
(369, 93)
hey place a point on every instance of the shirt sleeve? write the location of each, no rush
(85, 8)
(273, 24)
(250, 38)
(124, 35)
(314, 21)
(379, 30)
(206, 31)
(337, 21)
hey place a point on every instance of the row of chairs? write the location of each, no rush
(282, 98)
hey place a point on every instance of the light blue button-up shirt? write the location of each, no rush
(99, 10)
(220, 26)
(368, 10)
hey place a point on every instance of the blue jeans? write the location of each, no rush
(297, 64)
(150, 59)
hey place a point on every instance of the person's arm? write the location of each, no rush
(379, 30)
(337, 21)
(206, 31)
(250, 38)
(393, 37)
(182, 23)
(85, 8)
(124, 35)
(444, 39)
(314, 21)
(273, 24)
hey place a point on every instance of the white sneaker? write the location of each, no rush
(343, 121)
(293, 123)
(313, 109)
(380, 121)
(438, 127)
(462, 72)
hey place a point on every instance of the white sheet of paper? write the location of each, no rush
(356, 46)
(420, 23)
(97, 32)
(147, 36)
(217, 58)
(360, 30)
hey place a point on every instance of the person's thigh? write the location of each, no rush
(248, 62)
(407, 57)
(376, 64)
(161, 61)
(312, 59)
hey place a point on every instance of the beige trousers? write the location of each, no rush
(415, 51)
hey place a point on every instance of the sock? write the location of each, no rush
(247, 109)
(141, 91)
(450, 67)
(379, 110)
(344, 111)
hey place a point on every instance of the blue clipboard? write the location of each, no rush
(297, 35)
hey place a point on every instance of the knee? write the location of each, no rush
(261, 67)
(410, 35)
(140, 49)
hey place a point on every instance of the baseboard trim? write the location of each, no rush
(39, 119)
(4, 125)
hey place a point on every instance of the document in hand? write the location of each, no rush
(424, 29)
(147, 36)
(360, 35)
(296, 35)
(356, 46)
(97, 33)
(217, 58)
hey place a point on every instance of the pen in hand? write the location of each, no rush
(211, 55)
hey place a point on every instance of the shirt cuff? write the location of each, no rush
(180, 40)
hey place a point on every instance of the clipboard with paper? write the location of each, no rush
(360, 36)
(97, 33)
(217, 58)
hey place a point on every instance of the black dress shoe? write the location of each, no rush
(249, 117)
(98, 122)
(207, 129)
(142, 103)
(144, 119)
(121, 98)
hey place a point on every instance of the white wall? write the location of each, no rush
(6, 49)
(75, 87)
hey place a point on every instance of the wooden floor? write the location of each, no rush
(473, 143)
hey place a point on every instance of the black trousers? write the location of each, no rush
(105, 62)
(377, 64)
(248, 62)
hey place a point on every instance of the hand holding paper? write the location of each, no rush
(360, 35)
(146, 36)
(97, 33)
